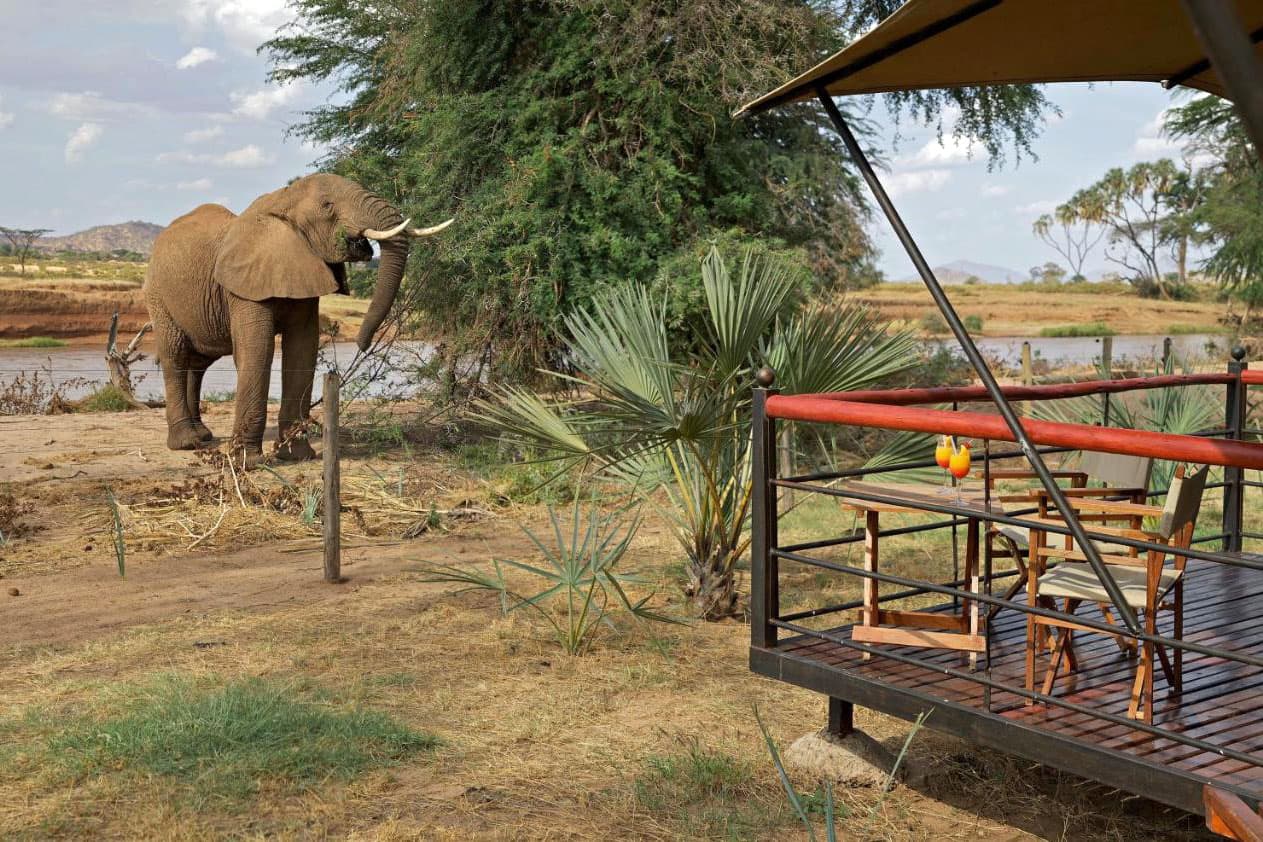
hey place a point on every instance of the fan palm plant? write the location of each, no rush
(1172, 409)
(682, 422)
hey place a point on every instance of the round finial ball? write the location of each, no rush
(1238, 352)
(765, 377)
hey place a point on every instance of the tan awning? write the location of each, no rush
(952, 43)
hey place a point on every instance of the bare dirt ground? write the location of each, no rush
(535, 744)
(1014, 311)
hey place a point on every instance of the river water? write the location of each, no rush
(1138, 349)
(83, 368)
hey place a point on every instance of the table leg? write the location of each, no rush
(871, 606)
(971, 573)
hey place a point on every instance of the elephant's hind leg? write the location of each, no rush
(193, 393)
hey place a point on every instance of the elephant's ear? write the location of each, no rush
(265, 257)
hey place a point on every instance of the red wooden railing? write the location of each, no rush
(897, 409)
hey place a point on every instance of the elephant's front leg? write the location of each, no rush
(253, 337)
(299, 323)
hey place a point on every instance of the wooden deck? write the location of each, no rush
(1222, 702)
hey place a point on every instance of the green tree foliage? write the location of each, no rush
(588, 144)
(1229, 214)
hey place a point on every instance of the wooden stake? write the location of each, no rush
(333, 481)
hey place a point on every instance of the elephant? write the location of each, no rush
(220, 284)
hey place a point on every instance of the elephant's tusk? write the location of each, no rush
(386, 235)
(427, 232)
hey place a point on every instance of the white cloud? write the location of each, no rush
(917, 181)
(991, 191)
(245, 23)
(1152, 142)
(247, 157)
(203, 135)
(1037, 208)
(91, 107)
(81, 139)
(935, 154)
(259, 104)
(951, 214)
(200, 184)
(6, 119)
(196, 56)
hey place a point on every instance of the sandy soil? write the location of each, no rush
(536, 745)
(1010, 311)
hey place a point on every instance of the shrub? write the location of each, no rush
(679, 421)
(933, 324)
(973, 322)
(108, 398)
(1085, 329)
(582, 587)
(34, 342)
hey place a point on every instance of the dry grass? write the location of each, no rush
(1009, 311)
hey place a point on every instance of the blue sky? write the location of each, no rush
(143, 109)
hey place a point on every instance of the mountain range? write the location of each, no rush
(132, 236)
(960, 271)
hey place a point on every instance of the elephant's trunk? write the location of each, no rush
(394, 257)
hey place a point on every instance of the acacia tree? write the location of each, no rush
(1142, 209)
(586, 145)
(22, 242)
(1070, 236)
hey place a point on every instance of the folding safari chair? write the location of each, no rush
(1145, 582)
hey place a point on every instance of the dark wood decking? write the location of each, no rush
(1222, 702)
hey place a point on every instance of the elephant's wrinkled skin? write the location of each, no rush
(222, 284)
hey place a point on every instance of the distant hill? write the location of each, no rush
(132, 236)
(959, 271)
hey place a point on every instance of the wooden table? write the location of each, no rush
(960, 631)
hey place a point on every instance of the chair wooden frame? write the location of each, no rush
(1078, 489)
(1183, 514)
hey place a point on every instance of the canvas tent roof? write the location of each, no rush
(953, 43)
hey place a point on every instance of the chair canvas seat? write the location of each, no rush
(1074, 580)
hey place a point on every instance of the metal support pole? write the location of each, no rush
(1234, 421)
(764, 596)
(1125, 612)
(1231, 52)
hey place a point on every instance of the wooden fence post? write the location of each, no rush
(1028, 375)
(333, 481)
(1107, 357)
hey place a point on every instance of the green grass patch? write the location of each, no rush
(708, 794)
(1085, 329)
(229, 741)
(1186, 330)
(34, 342)
(108, 398)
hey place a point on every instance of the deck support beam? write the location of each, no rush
(841, 717)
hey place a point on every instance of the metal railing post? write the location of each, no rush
(764, 586)
(1234, 422)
